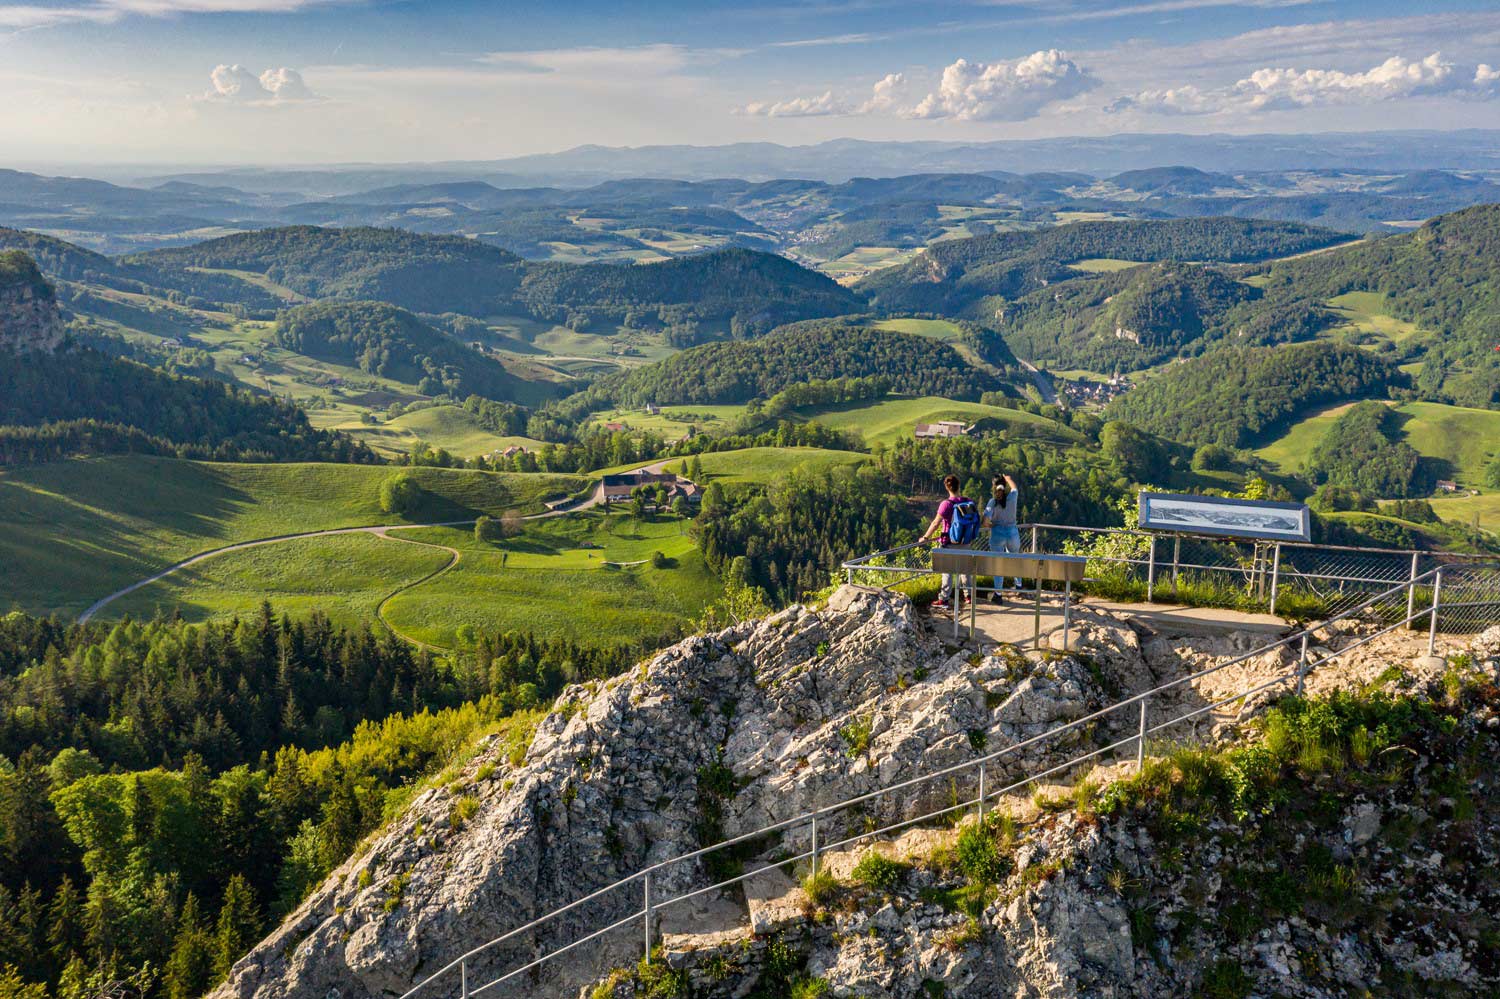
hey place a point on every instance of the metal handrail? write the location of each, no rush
(1300, 670)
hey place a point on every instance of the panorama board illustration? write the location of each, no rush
(1260, 519)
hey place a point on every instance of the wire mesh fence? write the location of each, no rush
(1304, 581)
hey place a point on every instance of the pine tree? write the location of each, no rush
(65, 924)
(190, 969)
(239, 926)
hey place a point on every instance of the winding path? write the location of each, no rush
(380, 608)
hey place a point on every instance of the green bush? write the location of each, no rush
(487, 530)
(400, 494)
(979, 855)
(879, 872)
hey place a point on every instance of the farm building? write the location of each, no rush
(942, 428)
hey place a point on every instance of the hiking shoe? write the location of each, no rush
(941, 605)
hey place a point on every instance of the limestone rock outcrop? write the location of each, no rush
(29, 318)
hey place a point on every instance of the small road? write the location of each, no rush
(1043, 383)
(456, 556)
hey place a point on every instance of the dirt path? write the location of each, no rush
(456, 557)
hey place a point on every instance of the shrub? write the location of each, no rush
(464, 809)
(487, 530)
(818, 887)
(856, 735)
(879, 872)
(979, 855)
(400, 494)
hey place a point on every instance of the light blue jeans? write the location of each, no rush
(1006, 539)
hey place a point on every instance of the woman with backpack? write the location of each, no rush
(1000, 518)
(957, 526)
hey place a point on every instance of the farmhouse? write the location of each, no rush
(652, 409)
(1447, 486)
(618, 488)
(942, 428)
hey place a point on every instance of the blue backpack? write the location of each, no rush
(963, 528)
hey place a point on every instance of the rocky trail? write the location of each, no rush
(725, 734)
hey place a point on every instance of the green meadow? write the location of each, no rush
(761, 464)
(87, 527)
(1460, 440)
(888, 419)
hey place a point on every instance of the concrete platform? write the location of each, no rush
(1013, 620)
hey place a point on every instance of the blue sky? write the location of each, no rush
(309, 81)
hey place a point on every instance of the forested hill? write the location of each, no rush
(749, 291)
(954, 275)
(1236, 395)
(757, 291)
(386, 340)
(738, 371)
(1444, 277)
(420, 272)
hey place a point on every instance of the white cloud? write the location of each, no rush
(822, 105)
(600, 61)
(1004, 91)
(1282, 89)
(238, 85)
(968, 91)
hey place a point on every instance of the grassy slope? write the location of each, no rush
(549, 584)
(85, 528)
(1462, 438)
(889, 419)
(345, 577)
(672, 422)
(936, 329)
(760, 464)
(450, 427)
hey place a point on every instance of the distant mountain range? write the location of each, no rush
(842, 159)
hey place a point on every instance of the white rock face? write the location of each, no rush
(611, 784)
(29, 319)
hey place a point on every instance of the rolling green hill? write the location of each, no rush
(759, 465)
(1442, 279)
(1459, 442)
(85, 528)
(888, 419)
(1237, 395)
(954, 275)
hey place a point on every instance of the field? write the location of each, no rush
(87, 527)
(1366, 312)
(1103, 265)
(546, 581)
(861, 261)
(760, 464)
(1460, 441)
(673, 421)
(1464, 510)
(933, 329)
(345, 577)
(581, 577)
(889, 419)
(452, 428)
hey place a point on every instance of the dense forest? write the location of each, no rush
(738, 371)
(1236, 395)
(1360, 452)
(168, 791)
(1130, 319)
(80, 401)
(386, 340)
(953, 275)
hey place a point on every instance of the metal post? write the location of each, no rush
(848, 574)
(1176, 561)
(1411, 588)
(1067, 610)
(1437, 591)
(1140, 742)
(463, 978)
(981, 792)
(1151, 572)
(973, 596)
(1036, 620)
(815, 845)
(1302, 664)
(1275, 575)
(1034, 548)
(648, 914)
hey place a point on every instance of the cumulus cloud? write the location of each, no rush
(968, 91)
(1004, 91)
(238, 85)
(1281, 89)
(822, 105)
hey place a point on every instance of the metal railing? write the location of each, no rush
(1260, 574)
(1464, 596)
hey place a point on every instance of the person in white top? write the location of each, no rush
(1000, 518)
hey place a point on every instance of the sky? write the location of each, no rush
(340, 81)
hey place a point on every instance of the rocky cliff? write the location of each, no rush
(723, 734)
(29, 318)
